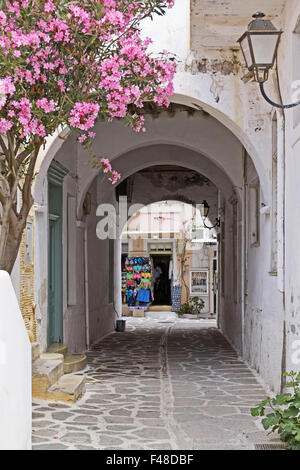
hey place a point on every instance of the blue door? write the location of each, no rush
(55, 253)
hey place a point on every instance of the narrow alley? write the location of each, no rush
(165, 383)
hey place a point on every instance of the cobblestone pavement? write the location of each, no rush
(163, 384)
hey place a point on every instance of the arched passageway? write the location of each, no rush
(199, 145)
(169, 256)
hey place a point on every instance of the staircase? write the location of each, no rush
(49, 379)
(72, 362)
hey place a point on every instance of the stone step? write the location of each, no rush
(52, 356)
(44, 374)
(58, 348)
(68, 388)
(161, 316)
(35, 351)
(74, 363)
(160, 308)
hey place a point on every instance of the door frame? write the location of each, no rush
(56, 174)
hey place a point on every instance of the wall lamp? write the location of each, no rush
(204, 214)
(259, 45)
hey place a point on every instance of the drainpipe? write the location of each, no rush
(83, 226)
(244, 249)
(281, 203)
(86, 288)
(281, 222)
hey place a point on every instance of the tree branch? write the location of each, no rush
(3, 146)
(27, 199)
(6, 187)
(21, 157)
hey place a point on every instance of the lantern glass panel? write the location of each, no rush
(246, 50)
(264, 48)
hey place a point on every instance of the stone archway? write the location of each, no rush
(193, 139)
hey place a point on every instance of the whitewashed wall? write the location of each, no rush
(15, 372)
(289, 54)
(265, 315)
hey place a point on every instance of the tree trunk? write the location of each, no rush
(12, 242)
(13, 224)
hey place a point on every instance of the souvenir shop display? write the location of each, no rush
(136, 281)
(176, 297)
(124, 288)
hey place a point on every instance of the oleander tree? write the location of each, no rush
(66, 65)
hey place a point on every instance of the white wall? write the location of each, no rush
(288, 58)
(166, 30)
(102, 312)
(212, 143)
(15, 372)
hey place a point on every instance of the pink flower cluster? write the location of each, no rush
(113, 176)
(83, 115)
(5, 125)
(65, 63)
(30, 124)
(46, 105)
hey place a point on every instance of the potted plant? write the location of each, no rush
(192, 308)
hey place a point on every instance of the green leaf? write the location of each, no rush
(291, 412)
(270, 420)
(255, 411)
(282, 399)
(290, 385)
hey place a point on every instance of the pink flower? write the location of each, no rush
(116, 18)
(49, 6)
(6, 86)
(61, 85)
(3, 18)
(115, 177)
(5, 125)
(82, 138)
(110, 3)
(83, 115)
(47, 106)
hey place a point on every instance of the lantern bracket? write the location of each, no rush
(205, 216)
(272, 103)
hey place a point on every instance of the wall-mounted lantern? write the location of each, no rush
(259, 45)
(205, 212)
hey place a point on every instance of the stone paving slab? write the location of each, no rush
(173, 384)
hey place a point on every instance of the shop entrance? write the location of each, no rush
(161, 279)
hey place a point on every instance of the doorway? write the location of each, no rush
(161, 280)
(56, 174)
(55, 325)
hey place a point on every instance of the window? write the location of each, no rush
(160, 248)
(198, 282)
(125, 247)
(197, 234)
